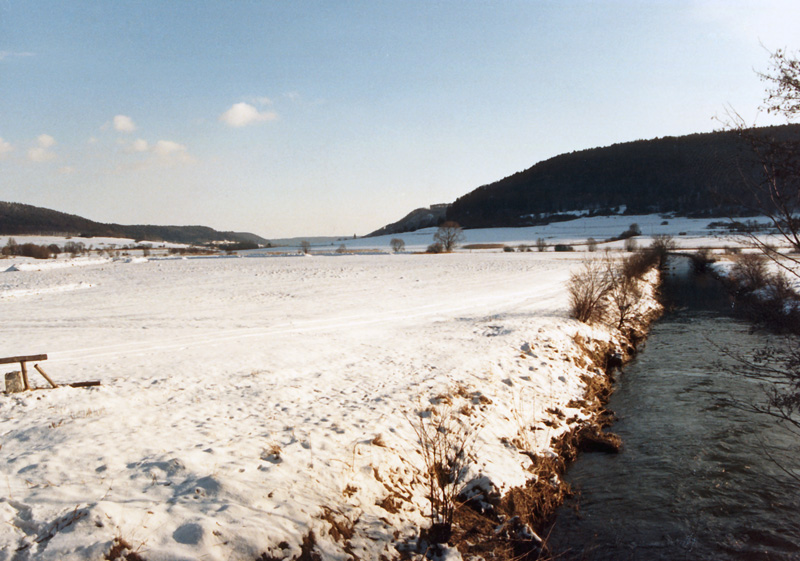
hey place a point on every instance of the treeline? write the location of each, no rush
(37, 251)
(21, 219)
(685, 175)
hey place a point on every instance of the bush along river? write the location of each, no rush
(694, 478)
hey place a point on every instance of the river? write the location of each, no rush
(693, 480)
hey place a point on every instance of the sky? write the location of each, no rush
(338, 117)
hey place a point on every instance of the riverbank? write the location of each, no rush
(762, 291)
(697, 478)
(516, 524)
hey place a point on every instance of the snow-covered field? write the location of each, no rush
(248, 402)
(688, 233)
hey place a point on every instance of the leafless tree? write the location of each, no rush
(449, 235)
(305, 246)
(661, 245)
(623, 293)
(775, 192)
(397, 245)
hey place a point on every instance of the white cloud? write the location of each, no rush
(42, 153)
(159, 153)
(139, 145)
(5, 147)
(167, 148)
(243, 114)
(46, 141)
(66, 170)
(123, 123)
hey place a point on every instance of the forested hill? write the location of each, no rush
(21, 219)
(671, 174)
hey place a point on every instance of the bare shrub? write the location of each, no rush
(446, 443)
(630, 245)
(587, 289)
(701, 260)
(74, 248)
(636, 265)
(26, 249)
(591, 244)
(341, 249)
(661, 245)
(435, 248)
(750, 271)
(33, 250)
(305, 246)
(541, 244)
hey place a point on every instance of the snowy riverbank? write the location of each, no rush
(248, 403)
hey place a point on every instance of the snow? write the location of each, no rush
(689, 233)
(248, 402)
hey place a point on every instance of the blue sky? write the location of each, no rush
(334, 118)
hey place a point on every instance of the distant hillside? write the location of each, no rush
(21, 219)
(671, 174)
(414, 220)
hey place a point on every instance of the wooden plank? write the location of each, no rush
(46, 377)
(12, 359)
(25, 376)
(85, 384)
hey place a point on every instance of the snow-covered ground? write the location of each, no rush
(246, 402)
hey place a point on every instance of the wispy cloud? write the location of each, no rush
(41, 152)
(46, 141)
(165, 152)
(5, 148)
(123, 123)
(243, 114)
(138, 145)
(12, 54)
(169, 150)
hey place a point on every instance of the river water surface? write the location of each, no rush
(693, 480)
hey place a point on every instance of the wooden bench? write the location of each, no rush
(22, 360)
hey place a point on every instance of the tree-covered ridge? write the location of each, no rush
(687, 175)
(22, 219)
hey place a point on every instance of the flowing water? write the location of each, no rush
(694, 479)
